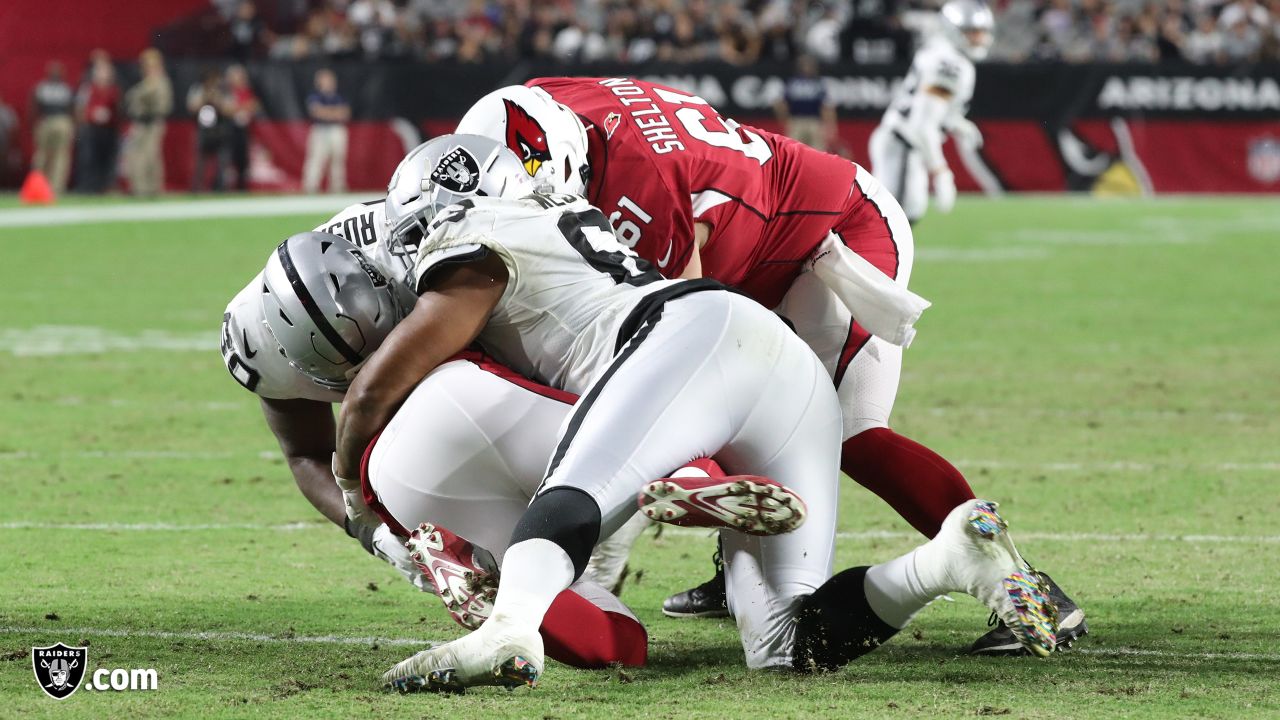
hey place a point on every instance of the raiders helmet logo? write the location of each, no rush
(457, 171)
(59, 669)
(526, 138)
(376, 277)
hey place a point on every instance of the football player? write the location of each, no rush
(297, 355)
(931, 102)
(699, 195)
(667, 371)
(298, 409)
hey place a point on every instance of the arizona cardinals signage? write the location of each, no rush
(1118, 128)
(526, 138)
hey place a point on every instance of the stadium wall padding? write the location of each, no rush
(1049, 128)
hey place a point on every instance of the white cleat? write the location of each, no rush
(496, 654)
(979, 558)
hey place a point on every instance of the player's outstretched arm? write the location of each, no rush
(305, 431)
(446, 319)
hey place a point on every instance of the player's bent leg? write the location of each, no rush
(792, 436)
(466, 449)
(889, 160)
(915, 200)
(861, 608)
(916, 482)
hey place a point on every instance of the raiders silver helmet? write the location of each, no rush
(970, 26)
(328, 306)
(444, 171)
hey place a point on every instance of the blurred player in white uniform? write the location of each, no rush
(906, 148)
(668, 371)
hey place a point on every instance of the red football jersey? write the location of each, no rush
(662, 159)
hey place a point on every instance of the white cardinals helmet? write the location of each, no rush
(548, 137)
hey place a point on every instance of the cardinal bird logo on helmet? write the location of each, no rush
(526, 138)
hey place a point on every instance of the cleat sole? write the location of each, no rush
(985, 522)
(1037, 615)
(516, 672)
(750, 507)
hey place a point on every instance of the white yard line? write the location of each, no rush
(675, 531)
(212, 635)
(53, 340)
(183, 210)
(139, 455)
(238, 636)
(1140, 652)
(164, 527)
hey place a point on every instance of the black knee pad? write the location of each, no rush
(835, 625)
(568, 517)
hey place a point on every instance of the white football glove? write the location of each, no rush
(964, 132)
(353, 499)
(944, 190)
(390, 548)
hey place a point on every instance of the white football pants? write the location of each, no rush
(466, 451)
(901, 169)
(718, 375)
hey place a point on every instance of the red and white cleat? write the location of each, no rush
(747, 503)
(464, 577)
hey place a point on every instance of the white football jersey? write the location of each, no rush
(575, 294)
(936, 64)
(250, 351)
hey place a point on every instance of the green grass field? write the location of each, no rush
(1106, 370)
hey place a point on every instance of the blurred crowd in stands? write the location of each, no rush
(739, 31)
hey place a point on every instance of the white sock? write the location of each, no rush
(534, 572)
(895, 589)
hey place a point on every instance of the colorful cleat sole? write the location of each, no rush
(1037, 615)
(516, 672)
(512, 673)
(747, 503)
(986, 522)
